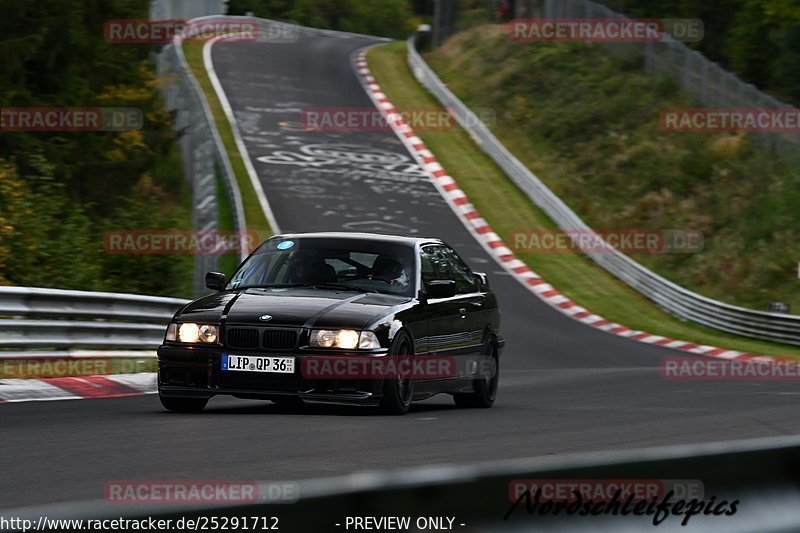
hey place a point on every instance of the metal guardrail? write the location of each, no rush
(68, 320)
(704, 79)
(760, 475)
(185, 9)
(205, 158)
(678, 301)
(55, 318)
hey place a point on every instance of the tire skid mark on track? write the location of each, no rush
(494, 245)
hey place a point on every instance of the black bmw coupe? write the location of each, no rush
(343, 318)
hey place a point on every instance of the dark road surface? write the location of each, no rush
(564, 387)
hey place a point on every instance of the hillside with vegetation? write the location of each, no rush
(588, 124)
(387, 18)
(759, 40)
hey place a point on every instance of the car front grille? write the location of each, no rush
(242, 338)
(264, 338)
(279, 339)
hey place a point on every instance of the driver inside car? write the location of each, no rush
(310, 268)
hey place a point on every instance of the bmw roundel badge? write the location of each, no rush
(265, 318)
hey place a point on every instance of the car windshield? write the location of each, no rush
(335, 264)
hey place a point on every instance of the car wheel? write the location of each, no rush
(485, 388)
(398, 390)
(183, 405)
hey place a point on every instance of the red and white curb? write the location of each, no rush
(77, 388)
(495, 246)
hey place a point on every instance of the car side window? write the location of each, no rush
(254, 275)
(462, 274)
(434, 264)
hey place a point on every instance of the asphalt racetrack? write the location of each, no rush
(564, 387)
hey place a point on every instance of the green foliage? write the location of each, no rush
(148, 207)
(387, 18)
(46, 241)
(764, 45)
(508, 210)
(59, 191)
(758, 39)
(470, 13)
(591, 130)
(390, 18)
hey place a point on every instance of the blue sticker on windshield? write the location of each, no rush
(285, 245)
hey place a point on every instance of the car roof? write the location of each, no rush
(373, 237)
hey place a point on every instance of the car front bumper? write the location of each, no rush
(196, 372)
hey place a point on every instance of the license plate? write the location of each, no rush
(246, 363)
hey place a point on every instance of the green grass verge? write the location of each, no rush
(254, 216)
(228, 262)
(507, 209)
(587, 120)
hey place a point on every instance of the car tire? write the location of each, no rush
(398, 391)
(183, 405)
(485, 388)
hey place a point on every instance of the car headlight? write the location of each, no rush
(368, 340)
(209, 333)
(323, 338)
(344, 338)
(190, 332)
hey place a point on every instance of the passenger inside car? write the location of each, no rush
(387, 269)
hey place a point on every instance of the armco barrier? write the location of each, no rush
(205, 158)
(63, 319)
(762, 476)
(674, 299)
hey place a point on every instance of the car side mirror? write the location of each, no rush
(482, 279)
(215, 281)
(441, 288)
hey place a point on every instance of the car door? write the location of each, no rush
(471, 302)
(447, 324)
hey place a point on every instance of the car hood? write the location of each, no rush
(318, 308)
